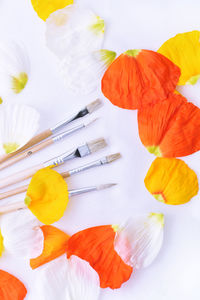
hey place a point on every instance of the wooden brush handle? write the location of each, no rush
(26, 153)
(12, 207)
(20, 176)
(35, 140)
(14, 192)
(23, 189)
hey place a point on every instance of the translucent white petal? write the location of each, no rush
(73, 30)
(82, 72)
(21, 233)
(18, 124)
(14, 68)
(139, 241)
(83, 281)
(65, 279)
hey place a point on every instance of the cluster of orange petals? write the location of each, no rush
(11, 288)
(96, 246)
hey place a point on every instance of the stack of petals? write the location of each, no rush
(169, 125)
(75, 35)
(102, 256)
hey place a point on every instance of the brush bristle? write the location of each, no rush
(97, 145)
(113, 157)
(105, 186)
(94, 106)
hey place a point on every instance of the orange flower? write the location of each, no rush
(171, 181)
(10, 287)
(139, 77)
(55, 243)
(96, 245)
(170, 128)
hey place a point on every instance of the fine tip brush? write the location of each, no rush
(21, 205)
(97, 163)
(45, 143)
(88, 109)
(80, 151)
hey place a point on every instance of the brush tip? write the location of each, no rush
(94, 105)
(105, 186)
(113, 157)
(97, 145)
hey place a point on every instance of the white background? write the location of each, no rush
(131, 24)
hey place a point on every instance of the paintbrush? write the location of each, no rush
(90, 108)
(21, 205)
(44, 144)
(81, 151)
(97, 163)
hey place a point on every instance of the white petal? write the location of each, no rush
(139, 241)
(73, 30)
(18, 124)
(65, 279)
(14, 68)
(21, 233)
(82, 72)
(83, 281)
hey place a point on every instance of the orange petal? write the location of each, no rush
(96, 245)
(139, 77)
(171, 181)
(55, 243)
(11, 288)
(170, 128)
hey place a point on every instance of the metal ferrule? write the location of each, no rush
(68, 132)
(82, 191)
(88, 166)
(59, 160)
(62, 124)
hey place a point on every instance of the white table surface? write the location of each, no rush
(175, 274)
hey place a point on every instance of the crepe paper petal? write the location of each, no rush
(55, 244)
(82, 73)
(96, 245)
(139, 77)
(74, 30)
(184, 50)
(11, 288)
(170, 128)
(21, 233)
(18, 124)
(47, 196)
(44, 8)
(14, 68)
(65, 279)
(171, 181)
(142, 237)
(1, 244)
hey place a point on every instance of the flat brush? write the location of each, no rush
(21, 205)
(81, 151)
(44, 144)
(97, 163)
(90, 108)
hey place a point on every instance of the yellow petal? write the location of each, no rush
(171, 181)
(47, 196)
(184, 51)
(44, 8)
(1, 244)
